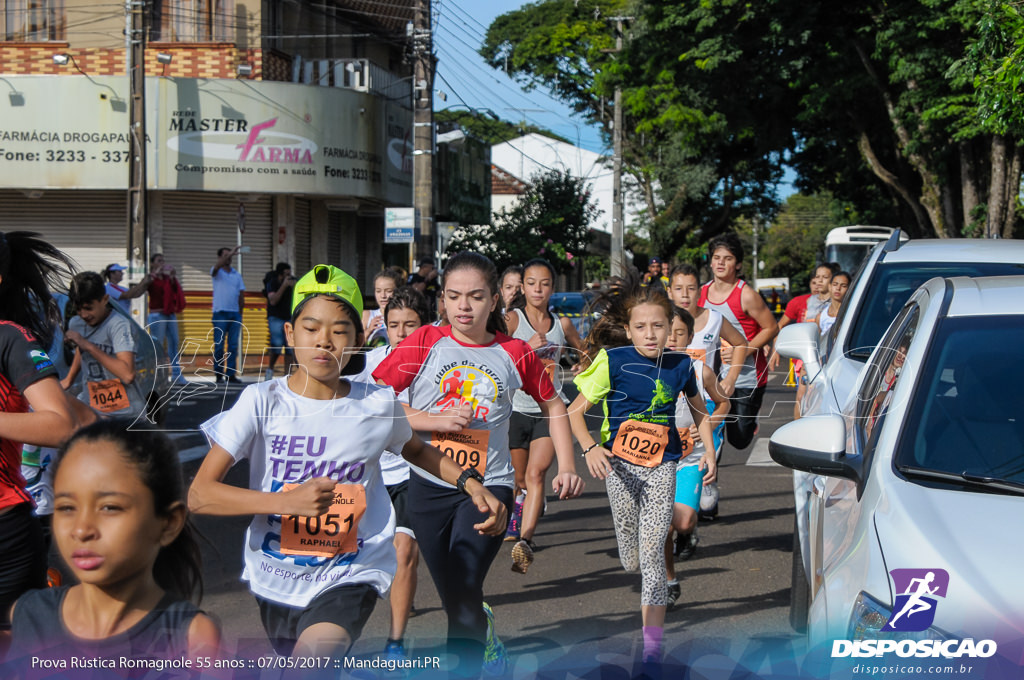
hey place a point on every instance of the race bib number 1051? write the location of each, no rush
(333, 533)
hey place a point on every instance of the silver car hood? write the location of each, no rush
(977, 537)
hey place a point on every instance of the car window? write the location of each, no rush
(965, 417)
(884, 374)
(892, 286)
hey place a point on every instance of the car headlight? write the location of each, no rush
(869, 616)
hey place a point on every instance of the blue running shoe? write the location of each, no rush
(396, 657)
(495, 654)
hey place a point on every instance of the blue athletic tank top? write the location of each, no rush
(39, 630)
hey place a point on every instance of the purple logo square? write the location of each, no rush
(916, 592)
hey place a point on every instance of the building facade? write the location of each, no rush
(285, 128)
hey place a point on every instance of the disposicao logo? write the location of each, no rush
(913, 612)
(914, 609)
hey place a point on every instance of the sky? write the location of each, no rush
(465, 78)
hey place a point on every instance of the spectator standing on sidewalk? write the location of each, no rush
(277, 287)
(120, 295)
(166, 300)
(228, 302)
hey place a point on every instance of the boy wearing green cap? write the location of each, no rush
(319, 550)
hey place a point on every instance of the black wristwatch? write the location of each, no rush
(467, 474)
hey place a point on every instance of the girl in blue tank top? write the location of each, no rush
(638, 383)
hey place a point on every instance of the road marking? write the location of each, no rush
(759, 456)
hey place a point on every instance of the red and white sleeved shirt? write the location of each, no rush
(439, 373)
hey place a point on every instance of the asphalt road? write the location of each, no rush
(576, 601)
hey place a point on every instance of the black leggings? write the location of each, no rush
(458, 558)
(742, 419)
(22, 557)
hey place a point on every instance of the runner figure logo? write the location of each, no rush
(469, 385)
(914, 609)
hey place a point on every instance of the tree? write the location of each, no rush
(870, 92)
(489, 128)
(906, 109)
(552, 219)
(792, 245)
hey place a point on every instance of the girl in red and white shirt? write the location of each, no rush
(460, 380)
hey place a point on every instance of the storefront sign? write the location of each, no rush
(207, 135)
(399, 225)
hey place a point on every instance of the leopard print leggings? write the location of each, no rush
(641, 499)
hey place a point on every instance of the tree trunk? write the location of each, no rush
(880, 171)
(931, 199)
(968, 183)
(1013, 191)
(997, 187)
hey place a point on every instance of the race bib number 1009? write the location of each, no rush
(468, 448)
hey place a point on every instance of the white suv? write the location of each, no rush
(889, 276)
(923, 475)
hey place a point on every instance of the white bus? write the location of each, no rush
(850, 245)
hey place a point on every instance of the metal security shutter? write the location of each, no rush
(335, 223)
(89, 226)
(197, 224)
(369, 242)
(303, 240)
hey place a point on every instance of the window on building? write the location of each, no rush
(32, 20)
(194, 21)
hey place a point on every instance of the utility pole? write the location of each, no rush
(618, 266)
(423, 130)
(138, 232)
(754, 271)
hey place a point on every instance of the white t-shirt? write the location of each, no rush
(815, 305)
(825, 321)
(705, 343)
(393, 467)
(440, 372)
(288, 439)
(684, 417)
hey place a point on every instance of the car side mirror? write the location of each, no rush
(815, 444)
(800, 341)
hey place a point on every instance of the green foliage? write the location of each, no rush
(792, 246)
(490, 129)
(596, 268)
(552, 220)
(560, 45)
(889, 107)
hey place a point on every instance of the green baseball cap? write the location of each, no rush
(325, 279)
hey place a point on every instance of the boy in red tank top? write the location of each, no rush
(747, 312)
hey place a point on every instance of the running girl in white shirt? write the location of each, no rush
(689, 475)
(530, 320)
(385, 283)
(638, 384)
(705, 345)
(319, 550)
(460, 379)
